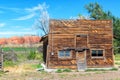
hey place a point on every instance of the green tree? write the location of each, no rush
(97, 12)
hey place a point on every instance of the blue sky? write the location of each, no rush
(17, 17)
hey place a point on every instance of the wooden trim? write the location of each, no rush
(65, 57)
(87, 39)
(97, 57)
(113, 57)
(75, 41)
(101, 44)
(85, 58)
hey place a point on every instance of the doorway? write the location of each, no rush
(81, 44)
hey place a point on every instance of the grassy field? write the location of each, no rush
(5, 49)
(25, 68)
(27, 53)
(117, 60)
(16, 55)
(117, 57)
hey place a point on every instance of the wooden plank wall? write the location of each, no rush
(63, 35)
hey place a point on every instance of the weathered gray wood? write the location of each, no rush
(1, 61)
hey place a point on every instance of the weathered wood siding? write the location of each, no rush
(63, 35)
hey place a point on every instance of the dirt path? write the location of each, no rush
(36, 75)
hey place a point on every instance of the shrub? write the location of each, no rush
(36, 66)
(59, 71)
(63, 70)
(1, 73)
(66, 70)
(39, 56)
(117, 63)
(117, 57)
(95, 70)
(9, 63)
(35, 55)
(31, 55)
(22, 57)
(114, 69)
(10, 56)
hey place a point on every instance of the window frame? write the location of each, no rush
(65, 57)
(97, 53)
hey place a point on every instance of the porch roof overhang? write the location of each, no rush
(76, 49)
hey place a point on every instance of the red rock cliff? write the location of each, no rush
(20, 40)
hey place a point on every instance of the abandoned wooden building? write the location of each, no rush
(79, 44)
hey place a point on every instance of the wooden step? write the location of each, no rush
(81, 66)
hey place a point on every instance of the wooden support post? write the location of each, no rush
(2, 62)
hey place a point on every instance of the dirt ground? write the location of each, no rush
(24, 72)
(34, 75)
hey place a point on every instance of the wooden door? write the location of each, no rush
(81, 43)
(81, 60)
(80, 56)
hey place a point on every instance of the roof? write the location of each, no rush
(43, 37)
(71, 22)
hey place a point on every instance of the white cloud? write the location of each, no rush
(32, 12)
(2, 24)
(11, 9)
(36, 8)
(39, 7)
(26, 17)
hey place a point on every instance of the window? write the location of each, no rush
(64, 54)
(97, 53)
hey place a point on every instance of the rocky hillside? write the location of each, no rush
(20, 40)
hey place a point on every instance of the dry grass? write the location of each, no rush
(25, 71)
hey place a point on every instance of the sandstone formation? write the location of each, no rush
(20, 40)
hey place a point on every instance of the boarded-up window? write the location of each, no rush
(81, 41)
(64, 54)
(97, 53)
